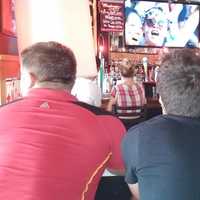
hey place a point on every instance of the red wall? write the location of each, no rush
(8, 44)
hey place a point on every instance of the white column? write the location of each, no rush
(65, 21)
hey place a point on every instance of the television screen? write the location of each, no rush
(161, 24)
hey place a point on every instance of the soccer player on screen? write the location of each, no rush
(183, 26)
(133, 27)
(155, 27)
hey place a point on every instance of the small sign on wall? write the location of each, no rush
(111, 15)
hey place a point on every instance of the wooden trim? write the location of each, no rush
(4, 57)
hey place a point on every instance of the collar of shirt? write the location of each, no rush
(54, 94)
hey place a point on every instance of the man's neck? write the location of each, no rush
(53, 85)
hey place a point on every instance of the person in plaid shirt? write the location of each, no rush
(127, 93)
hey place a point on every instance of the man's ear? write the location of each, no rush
(33, 79)
(28, 80)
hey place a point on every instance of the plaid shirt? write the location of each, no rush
(129, 96)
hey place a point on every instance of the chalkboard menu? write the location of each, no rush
(111, 15)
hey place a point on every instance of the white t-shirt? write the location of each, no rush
(87, 90)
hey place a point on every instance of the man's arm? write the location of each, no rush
(111, 102)
(134, 190)
(115, 131)
(130, 156)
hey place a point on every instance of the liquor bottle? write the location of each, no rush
(106, 83)
(145, 64)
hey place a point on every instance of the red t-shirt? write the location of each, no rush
(53, 149)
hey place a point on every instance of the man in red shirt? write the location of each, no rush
(52, 148)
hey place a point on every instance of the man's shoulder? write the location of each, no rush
(147, 127)
(106, 118)
(148, 123)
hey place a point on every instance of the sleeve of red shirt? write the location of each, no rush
(115, 131)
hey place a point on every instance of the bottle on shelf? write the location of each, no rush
(140, 76)
(106, 83)
(145, 64)
(113, 79)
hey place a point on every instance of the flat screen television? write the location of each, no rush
(160, 24)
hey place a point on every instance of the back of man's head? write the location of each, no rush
(127, 69)
(179, 82)
(50, 62)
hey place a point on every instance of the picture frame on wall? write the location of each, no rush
(8, 22)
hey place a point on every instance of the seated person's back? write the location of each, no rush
(52, 148)
(161, 155)
(128, 92)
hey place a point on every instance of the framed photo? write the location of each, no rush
(8, 22)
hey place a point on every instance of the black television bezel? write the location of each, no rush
(160, 1)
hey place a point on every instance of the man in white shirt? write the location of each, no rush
(87, 90)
